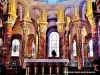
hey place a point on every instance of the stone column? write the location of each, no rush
(42, 39)
(89, 6)
(43, 68)
(25, 38)
(79, 46)
(10, 23)
(60, 28)
(25, 52)
(57, 65)
(66, 69)
(99, 37)
(50, 68)
(35, 68)
(61, 34)
(90, 17)
(66, 43)
(78, 42)
(91, 20)
(27, 69)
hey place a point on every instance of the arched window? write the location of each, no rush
(0, 22)
(33, 47)
(91, 48)
(15, 47)
(74, 53)
(1, 42)
(53, 44)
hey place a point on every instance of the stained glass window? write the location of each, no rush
(91, 48)
(74, 48)
(15, 47)
(54, 44)
(33, 48)
(1, 42)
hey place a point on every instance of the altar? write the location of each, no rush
(45, 62)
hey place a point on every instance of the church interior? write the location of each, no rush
(49, 37)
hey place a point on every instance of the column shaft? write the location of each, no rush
(50, 70)
(42, 70)
(35, 70)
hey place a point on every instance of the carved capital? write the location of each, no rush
(43, 27)
(60, 26)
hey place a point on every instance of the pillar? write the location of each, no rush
(27, 69)
(79, 45)
(66, 69)
(25, 52)
(78, 42)
(67, 32)
(25, 38)
(99, 37)
(78, 26)
(42, 34)
(11, 17)
(10, 23)
(91, 20)
(89, 8)
(66, 43)
(50, 68)
(42, 39)
(37, 45)
(60, 29)
(43, 68)
(35, 68)
(25, 26)
(57, 65)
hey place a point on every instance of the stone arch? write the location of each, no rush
(19, 10)
(18, 37)
(50, 8)
(73, 30)
(17, 29)
(67, 5)
(65, 8)
(52, 12)
(23, 4)
(88, 26)
(35, 14)
(31, 38)
(61, 10)
(33, 27)
(39, 8)
(81, 7)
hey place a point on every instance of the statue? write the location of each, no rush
(54, 53)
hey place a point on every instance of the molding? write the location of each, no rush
(60, 22)
(43, 23)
